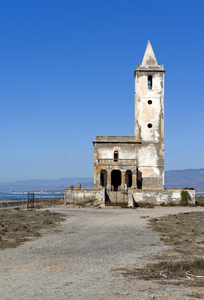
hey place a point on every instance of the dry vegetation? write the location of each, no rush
(185, 231)
(184, 262)
(48, 202)
(18, 226)
(84, 203)
(200, 200)
(189, 272)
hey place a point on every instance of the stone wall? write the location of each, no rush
(157, 196)
(133, 156)
(97, 196)
(104, 148)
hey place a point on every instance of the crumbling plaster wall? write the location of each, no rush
(85, 195)
(157, 197)
(104, 160)
(151, 152)
(131, 156)
(106, 150)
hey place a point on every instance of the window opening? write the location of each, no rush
(149, 82)
(116, 155)
(149, 102)
(149, 125)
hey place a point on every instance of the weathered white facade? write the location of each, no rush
(121, 162)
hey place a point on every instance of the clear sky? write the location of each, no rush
(66, 75)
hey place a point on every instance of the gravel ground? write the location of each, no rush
(83, 260)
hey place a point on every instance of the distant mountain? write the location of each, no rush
(173, 179)
(185, 178)
(57, 185)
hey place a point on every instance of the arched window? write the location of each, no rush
(116, 155)
(149, 82)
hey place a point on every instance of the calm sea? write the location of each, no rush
(23, 196)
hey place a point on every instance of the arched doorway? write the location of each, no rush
(115, 179)
(128, 178)
(103, 178)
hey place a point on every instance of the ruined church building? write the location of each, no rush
(121, 162)
(133, 166)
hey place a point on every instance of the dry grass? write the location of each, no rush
(88, 202)
(180, 265)
(184, 230)
(18, 226)
(171, 270)
(145, 204)
(200, 200)
(48, 202)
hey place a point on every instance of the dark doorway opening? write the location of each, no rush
(115, 179)
(103, 178)
(128, 178)
(139, 179)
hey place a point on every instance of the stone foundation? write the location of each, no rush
(97, 196)
(157, 197)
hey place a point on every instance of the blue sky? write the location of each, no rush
(66, 75)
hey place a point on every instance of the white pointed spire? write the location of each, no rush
(149, 58)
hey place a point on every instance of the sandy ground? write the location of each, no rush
(82, 258)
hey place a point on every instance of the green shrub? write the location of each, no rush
(145, 204)
(124, 206)
(169, 203)
(185, 198)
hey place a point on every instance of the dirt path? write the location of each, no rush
(80, 262)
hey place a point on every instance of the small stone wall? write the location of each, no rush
(157, 196)
(96, 196)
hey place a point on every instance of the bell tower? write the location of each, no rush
(149, 118)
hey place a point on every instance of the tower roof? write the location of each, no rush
(149, 58)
